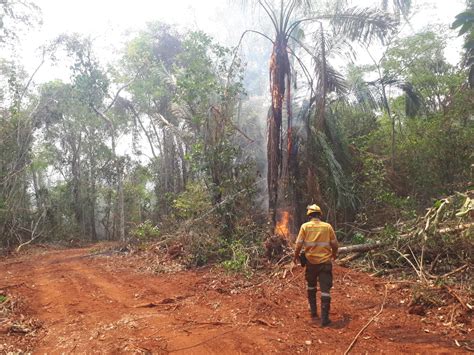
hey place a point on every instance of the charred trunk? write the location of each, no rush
(279, 72)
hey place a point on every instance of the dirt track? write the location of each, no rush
(91, 304)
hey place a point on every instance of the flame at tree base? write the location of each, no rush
(282, 227)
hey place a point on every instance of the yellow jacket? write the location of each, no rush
(315, 236)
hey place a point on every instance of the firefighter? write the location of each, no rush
(319, 244)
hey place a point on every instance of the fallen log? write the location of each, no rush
(359, 248)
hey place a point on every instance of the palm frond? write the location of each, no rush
(362, 90)
(323, 70)
(304, 5)
(338, 180)
(363, 24)
(335, 138)
(271, 12)
(335, 81)
(365, 97)
(413, 99)
(398, 7)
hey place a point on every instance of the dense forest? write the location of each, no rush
(174, 137)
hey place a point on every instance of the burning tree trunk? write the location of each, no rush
(279, 73)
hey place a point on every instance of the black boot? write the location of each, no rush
(325, 307)
(312, 303)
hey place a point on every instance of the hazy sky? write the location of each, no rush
(107, 21)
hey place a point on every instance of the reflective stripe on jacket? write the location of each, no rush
(315, 236)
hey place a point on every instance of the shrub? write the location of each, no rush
(358, 238)
(239, 261)
(192, 202)
(145, 231)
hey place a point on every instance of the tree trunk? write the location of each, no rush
(279, 69)
(119, 171)
(92, 209)
(77, 185)
(392, 121)
(184, 170)
(272, 173)
(121, 207)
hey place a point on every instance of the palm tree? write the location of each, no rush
(288, 18)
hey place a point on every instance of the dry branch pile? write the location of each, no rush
(437, 250)
(439, 244)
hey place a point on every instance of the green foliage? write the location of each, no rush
(435, 156)
(137, 198)
(146, 231)
(16, 142)
(432, 150)
(377, 199)
(418, 61)
(202, 244)
(89, 81)
(358, 238)
(239, 261)
(338, 181)
(389, 233)
(193, 202)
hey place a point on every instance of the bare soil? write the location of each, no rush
(69, 301)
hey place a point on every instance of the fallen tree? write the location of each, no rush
(435, 246)
(359, 248)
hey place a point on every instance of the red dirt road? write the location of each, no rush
(96, 304)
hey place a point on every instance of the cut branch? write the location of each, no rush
(34, 236)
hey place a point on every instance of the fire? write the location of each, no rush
(283, 225)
